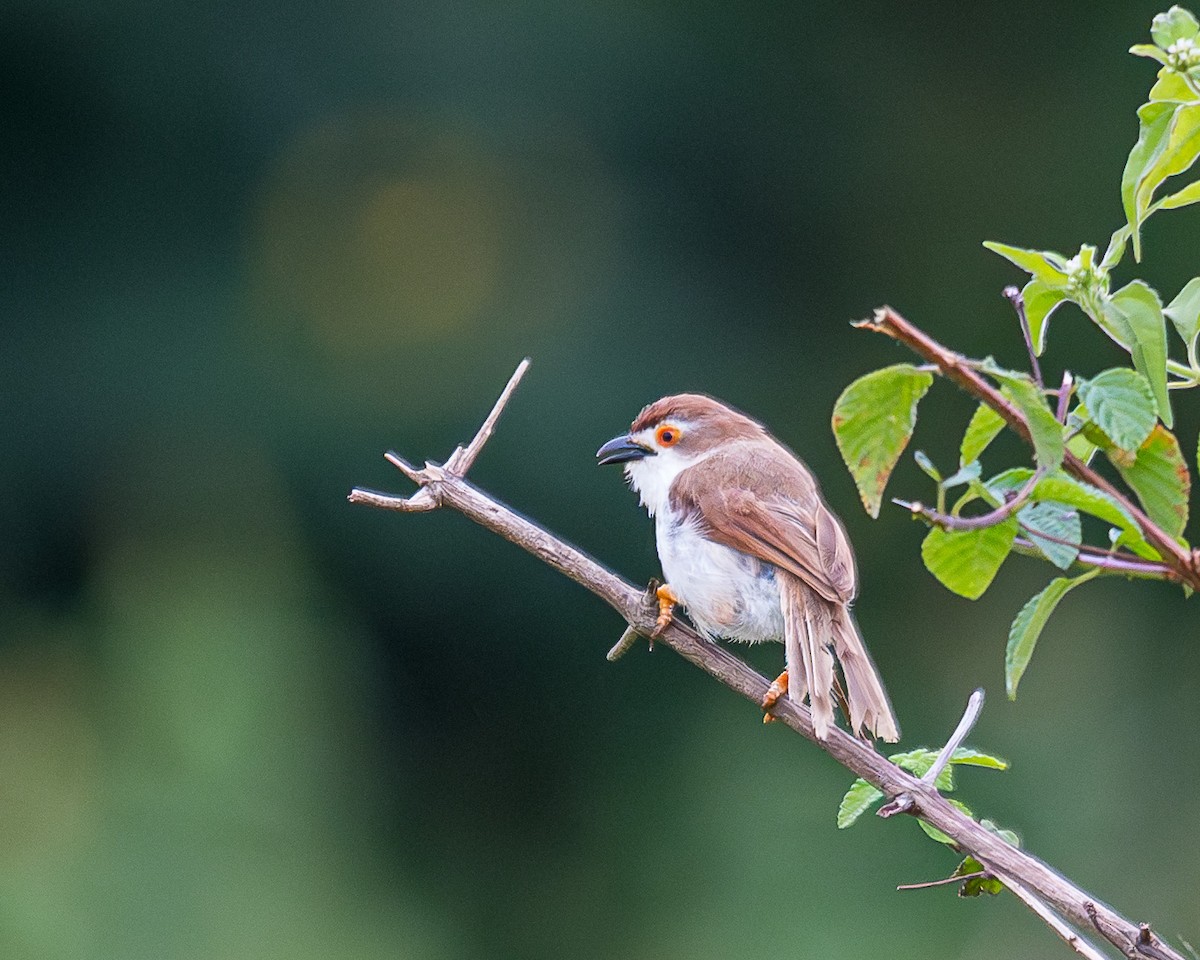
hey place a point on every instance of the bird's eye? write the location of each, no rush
(667, 435)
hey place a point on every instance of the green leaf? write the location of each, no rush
(1169, 145)
(1041, 521)
(937, 834)
(984, 427)
(1171, 86)
(1041, 300)
(1185, 197)
(965, 756)
(1154, 119)
(873, 421)
(858, 800)
(1175, 24)
(1045, 265)
(1082, 447)
(1159, 476)
(1141, 310)
(975, 885)
(966, 561)
(927, 466)
(1027, 627)
(1179, 152)
(963, 475)
(1006, 835)
(1149, 50)
(1044, 428)
(1064, 489)
(1122, 405)
(917, 762)
(1184, 310)
(1116, 247)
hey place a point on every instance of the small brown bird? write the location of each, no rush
(750, 549)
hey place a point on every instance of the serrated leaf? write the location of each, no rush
(1141, 311)
(1061, 488)
(1044, 265)
(1028, 624)
(1176, 24)
(1159, 476)
(873, 420)
(858, 800)
(1122, 405)
(1044, 428)
(966, 561)
(984, 427)
(1184, 310)
(1048, 525)
(1041, 300)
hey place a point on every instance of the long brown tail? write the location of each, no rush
(816, 630)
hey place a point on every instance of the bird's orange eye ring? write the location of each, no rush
(667, 435)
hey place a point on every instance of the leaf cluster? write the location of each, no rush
(1124, 415)
(861, 797)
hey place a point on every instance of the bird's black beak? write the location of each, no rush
(622, 450)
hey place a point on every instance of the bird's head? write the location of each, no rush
(671, 435)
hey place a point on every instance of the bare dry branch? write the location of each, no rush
(999, 858)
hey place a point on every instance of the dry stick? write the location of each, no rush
(446, 489)
(956, 367)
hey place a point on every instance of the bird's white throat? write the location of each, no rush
(651, 477)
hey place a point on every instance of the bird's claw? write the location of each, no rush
(666, 605)
(776, 690)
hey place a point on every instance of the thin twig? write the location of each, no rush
(960, 370)
(640, 613)
(945, 881)
(906, 802)
(969, 718)
(949, 521)
(1013, 296)
(622, 646)
(1111, 560)
(461, 460)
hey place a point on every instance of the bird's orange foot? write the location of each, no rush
(776, 690)
(666, 605)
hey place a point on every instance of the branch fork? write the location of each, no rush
(1183, 563)
(1047, 892)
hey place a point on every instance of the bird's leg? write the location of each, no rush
(776, 690)
(666, 604)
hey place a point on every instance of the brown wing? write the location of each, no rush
(759, 499)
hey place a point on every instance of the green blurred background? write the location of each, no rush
(249, 246)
